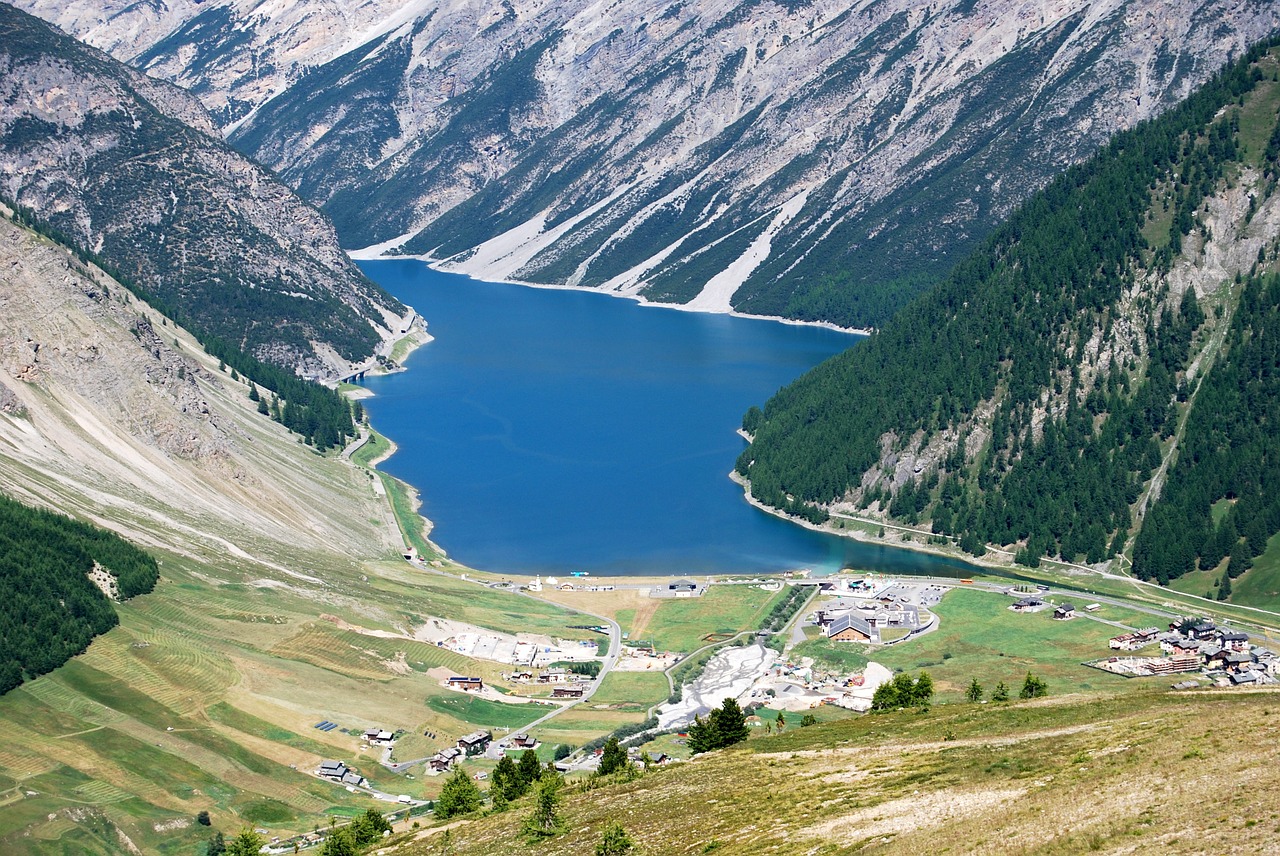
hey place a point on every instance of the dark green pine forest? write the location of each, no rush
(51, 610)
(1032, 398)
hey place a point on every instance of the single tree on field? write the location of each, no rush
(974, 693)
(545, 821)
(458, 796)
(615, 841)
(1033, 687)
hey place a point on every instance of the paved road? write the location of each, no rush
(610, 660)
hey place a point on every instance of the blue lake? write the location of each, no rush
(553, 431)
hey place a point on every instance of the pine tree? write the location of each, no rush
(615, 841)
(1033, 687)
(974, 693)
(702, 737)
(544, 820)
(459, 796)
(613, 758)
(529, 769)
(341, 842)
(247, 843)
(506, 784)
(730, 723)
(1001, 692)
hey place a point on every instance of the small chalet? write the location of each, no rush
(333, 770)
(1238, 661)
(553, 676)
(1203, 630)
(379, 737)
(851, 628)
(523, 741)
(353, 778)
(567, 692)
(458, 682)
(443, 760)
(1063, 612)
(1027, 604)
(475, 742)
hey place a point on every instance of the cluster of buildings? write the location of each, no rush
(477, 743)
(339, 772)
(565, 684)
(864, 621)
(1225, 656)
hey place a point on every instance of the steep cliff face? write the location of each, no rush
(819, 159)
(128, 168)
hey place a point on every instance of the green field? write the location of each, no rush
(1260, 586)
(631, 691)
(490, 714)
(375, 447)
(407, 517)
(681, 624)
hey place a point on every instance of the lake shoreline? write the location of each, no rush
(374, 254)
(863, 537)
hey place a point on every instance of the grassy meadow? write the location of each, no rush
(681, 624)
(1044, 776)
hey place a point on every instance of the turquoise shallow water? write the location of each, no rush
(553, 431)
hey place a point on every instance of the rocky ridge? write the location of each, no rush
(819, 160)
(129, 169)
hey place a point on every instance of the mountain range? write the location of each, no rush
(816, 160)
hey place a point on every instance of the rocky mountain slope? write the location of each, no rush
(111, 413)
(130, 170)
(821, 159)
(1101, 370)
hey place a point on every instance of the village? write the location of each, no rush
(1225, 658)
(768, 673)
